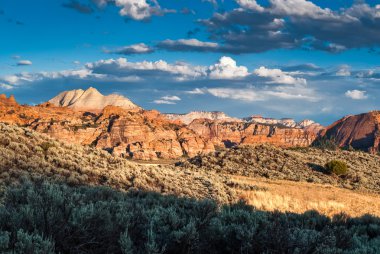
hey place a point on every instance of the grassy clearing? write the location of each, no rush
(299, 197)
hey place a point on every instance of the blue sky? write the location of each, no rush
(288, 58)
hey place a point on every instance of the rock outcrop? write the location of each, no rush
(193, 115)
(284, 122)
(90, 100)
(144, 134)
(358, 131)
(134, 133)
(227, 134)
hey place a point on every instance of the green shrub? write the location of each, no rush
(336, 167)
(325, 143)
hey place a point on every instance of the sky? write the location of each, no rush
(301, 59)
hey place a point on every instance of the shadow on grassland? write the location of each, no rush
(48, 217)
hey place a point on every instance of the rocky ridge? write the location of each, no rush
(149, 135)
(90, 100)
(193, 115)
(356, 131)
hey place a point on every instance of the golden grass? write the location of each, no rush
(298, 197)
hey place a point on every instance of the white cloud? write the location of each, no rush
(188, 45)
(301, 8)
(278, 76)
(135, 9)
(122, 67)
(24, 62)
(5, 86)
(140, 48)
(195, 91)
(356, 94)
(250, 4)
(226, 68)
(171, 98)
(164, 102)
(236, 94)
(344, 71)
(264, 94)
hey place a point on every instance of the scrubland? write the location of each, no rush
(61, 198)
(294, 164)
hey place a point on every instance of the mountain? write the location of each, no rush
(358, 131)
(231, 133)
(191, 116)
(283, 122)
(143, 134)
(90, 100)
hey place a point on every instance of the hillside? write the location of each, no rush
(26, 154)
(300, 164)
(358, 131)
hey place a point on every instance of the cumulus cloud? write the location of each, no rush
(236, 94)
(250, 4)
(24, 62)
(344, 71)
(140, 48)
(287, 24)
(121, 67)
(135, 9)
(278, 76)
(356, 94)
(188, 45)
(226, 68)
(251, 94)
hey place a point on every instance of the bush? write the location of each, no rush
(55, 218)
(336, 167)
(325, 144)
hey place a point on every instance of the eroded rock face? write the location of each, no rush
(359, 131)
(193, 115)
(226, 133)
(135, 133)
(146, 135)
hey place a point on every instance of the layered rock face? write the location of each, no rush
(284, 122)
(90, 100)
(226, 134)
(135, 133)
(141, 134)
(191, 116)
(359, 131)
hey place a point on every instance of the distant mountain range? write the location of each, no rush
(116, 124)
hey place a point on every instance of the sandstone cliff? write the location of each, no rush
(227, 134)
(191, 116)
(359, 131)
(147, 135)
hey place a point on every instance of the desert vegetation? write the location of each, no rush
(56, 218)
(61, 198)
(28, 155)
(294, 164)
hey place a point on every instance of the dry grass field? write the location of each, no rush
(299, 197)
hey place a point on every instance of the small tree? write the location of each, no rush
(337, 167)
